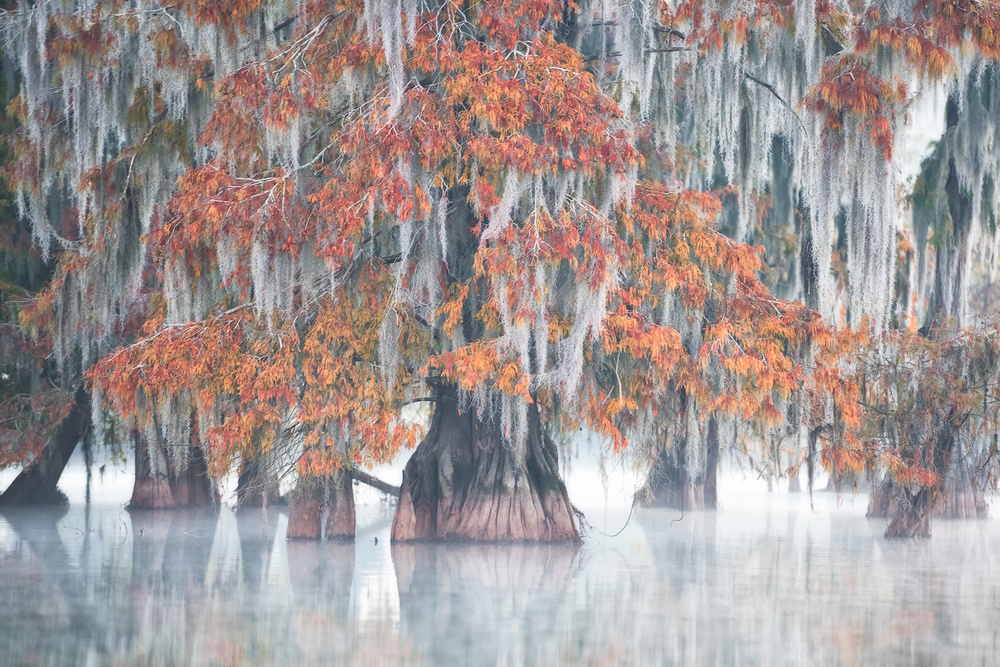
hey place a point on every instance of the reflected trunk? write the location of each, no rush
(463, 482)
(454, 599)
(256, 536)
(321, 575)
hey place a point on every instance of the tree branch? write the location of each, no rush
(778, 97)
(375, 482)
(668, 49)
(283, 24)
(673, 32)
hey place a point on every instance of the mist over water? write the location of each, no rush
(764, 580)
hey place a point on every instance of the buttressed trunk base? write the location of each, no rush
(306, 507)
(161, 484)
(464, 483)
(912, 517)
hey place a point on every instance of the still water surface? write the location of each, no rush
(765, 581)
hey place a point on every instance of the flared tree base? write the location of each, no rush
(152, 493)
(192, 487)
(911, 516)
(464, 483)
(306, 506)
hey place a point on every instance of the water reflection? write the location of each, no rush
(483, 605)
(751, 585)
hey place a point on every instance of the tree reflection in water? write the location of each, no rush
(744, 586)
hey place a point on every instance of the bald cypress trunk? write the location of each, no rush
(671, 483)
(151, 489)
(38, 482)
(305, 513)
(256, 484)
(464, 483)
(191, 485)
(306, 507)
(912, 515)
(911, 510)
(340, 518)
(964, 496)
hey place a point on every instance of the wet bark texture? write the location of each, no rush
(340, 518)
(911, 510)
(880, 500)
(670, 483)
(192, 487)
(37, 483)
(151, 490)
(164, 482)
(305, 514)
(964, 497)
(464, 483)
(912, 515)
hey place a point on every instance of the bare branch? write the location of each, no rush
(778, 97)
(375, 482)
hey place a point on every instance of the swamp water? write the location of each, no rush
(764, 581)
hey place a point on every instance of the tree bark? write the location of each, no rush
(912, 516)
(881, 504)
(190, 483)
(37, 484)
(670, 483)
(712, 466)
(151, 489)
(464, 483)
(340, 518)
(912, 510)
(253, 484)
(305, 514)
(191, 486)
(963, 497)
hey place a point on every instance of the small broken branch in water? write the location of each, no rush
(375, 482)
